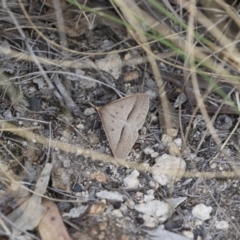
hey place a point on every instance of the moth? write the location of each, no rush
(121, 120)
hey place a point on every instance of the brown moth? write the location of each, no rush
(121, 120)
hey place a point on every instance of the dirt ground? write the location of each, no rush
(88, 64)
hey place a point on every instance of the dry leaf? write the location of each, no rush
(23, 216)
(51, 225)
(122, 119)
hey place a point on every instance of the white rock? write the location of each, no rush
(8, 114)
(148, 151)
(107, 44)
(172, 167)
(148, 198)
(138, 195)
(180, 99)
(7, 49)
(117, 213)
(80, 126)
(131, 181)
(150, 192)
(166, 139)
(202, 211)
(155, 208)
(149, 221)
(152, 184)
(154, 154)
(40, 82)
(178, 142)
(76, 212)
(143, 131)
(85, 83)
(89, 111)
(222, 225)
(161, 179)
(213, 165)
(161, 234)
(123, 208)
(173, 149)
(130, 203)
(152, 95)
(198, 222)
(112, 196)
(112, 64)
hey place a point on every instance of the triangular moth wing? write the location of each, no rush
(121, 121)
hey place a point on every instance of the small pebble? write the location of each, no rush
(168, 163)
(150, 221)
(123, 208)
(148, 198)
(148, 150)
(139, 196)
(117, 213)
(77, 188)
(130, 203)
(98, 208)
(155, 208)
(178, 142)
(131, 181)
(89, 111)
(152, 184)
(152, 95)
(154, 154)
(7, 114)
(222, 225)
(202, 212)
(150, 192)
(166, 139)
(80, 126)
(172, 132)
(143, 131)
(112, 196)
(100, 177)
(173, 149)
(76, 212)
(213, 165)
